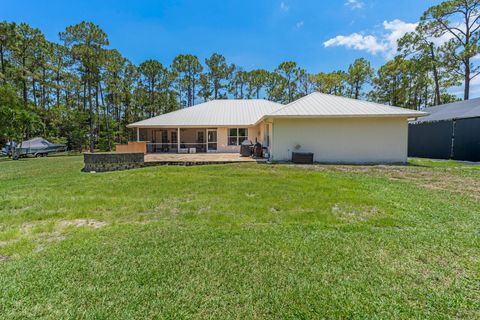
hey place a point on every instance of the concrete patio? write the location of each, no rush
(197, 158)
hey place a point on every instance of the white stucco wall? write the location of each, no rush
(222, 138)
(342, 140)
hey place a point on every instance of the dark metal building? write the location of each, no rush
(451, 131)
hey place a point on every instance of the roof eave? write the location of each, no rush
(409, 115)
(147, 126)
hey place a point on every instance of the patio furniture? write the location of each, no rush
(257, 150)
(246, 148)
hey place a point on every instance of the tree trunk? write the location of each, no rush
(84, 95)
(2, 61)
(97, 115)
(34, 91)
(215, 89)
(58, 89)
(24, 81)
(357, 91)
(193, 91)
(92, 143)
(466, 93)
(44, 81)
(435, 76)
(107, 112)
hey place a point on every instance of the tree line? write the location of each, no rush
(81, 92)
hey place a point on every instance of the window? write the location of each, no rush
(236, 136)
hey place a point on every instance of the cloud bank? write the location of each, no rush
(384, 44)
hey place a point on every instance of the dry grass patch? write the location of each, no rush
(350, 213)
(92, 223)
(448, 179)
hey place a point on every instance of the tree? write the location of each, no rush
(359, 73)
(87, 43)
(237, 84)
(256, 80)
(152, 71)
(7, 39)
(218, 72)
(330, 83)
(457, 20)
(188, 69)
(27, 41)
(404, 83)
(59, 63)
(306, 83)
(18, 122)
(206, 90)
(290, 73)
(113, 74)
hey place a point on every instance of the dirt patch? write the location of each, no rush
(92, 223)
(274, 210)
(352, 213)
(4, 258)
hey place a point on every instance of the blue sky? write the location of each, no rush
(250, 33)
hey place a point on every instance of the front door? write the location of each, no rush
(211, 140)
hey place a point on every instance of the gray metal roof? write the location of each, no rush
(455, 110)
(326, 105)
(214, 113)
(218, 113)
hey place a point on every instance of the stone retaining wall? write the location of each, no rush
(102, 162)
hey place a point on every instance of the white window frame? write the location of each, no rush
(236, 136)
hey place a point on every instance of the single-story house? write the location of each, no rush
(334, 129)
(450, 131)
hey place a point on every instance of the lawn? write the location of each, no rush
(239, 241)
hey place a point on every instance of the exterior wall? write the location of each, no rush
(131, 147)
(222, 142)
(342, 140)
(255, 132)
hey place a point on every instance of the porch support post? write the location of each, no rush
(178, 140)
(138, 134)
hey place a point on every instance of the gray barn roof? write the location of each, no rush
(455, 110)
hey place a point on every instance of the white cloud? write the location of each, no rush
(284, 7)
(385, 43)
(354, 4)
(299, 24)
(358, 42)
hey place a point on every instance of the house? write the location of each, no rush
(334, 129)
(451, 131)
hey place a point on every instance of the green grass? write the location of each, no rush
(239, 241)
